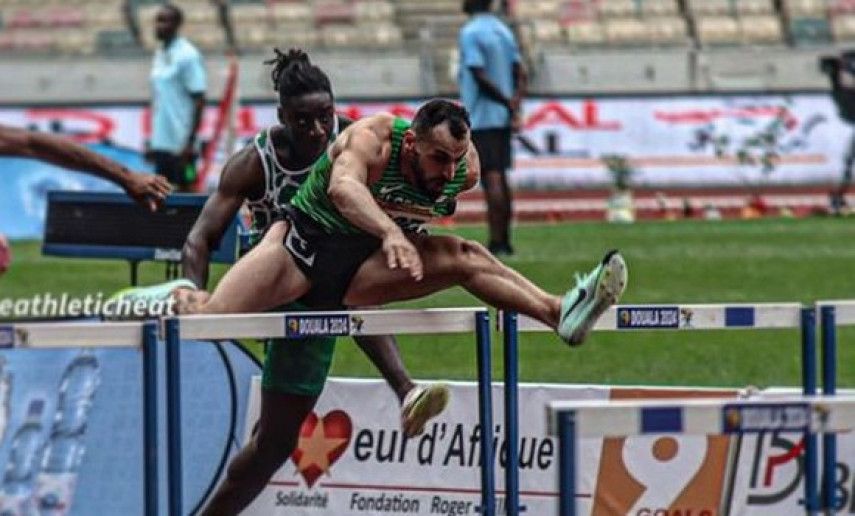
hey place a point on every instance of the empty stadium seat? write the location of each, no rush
(761, 29)
(105, 15)
(667, 30)
(842, 6)
(617, 8)
(206, 36)
(349, 36)
(115, 42)
(249, 14)
(717, 30)
(572, 11)
(709, 8)
(805, 7)
(752, 7)
(387, 35)
(373, 11)
(585, 33)
(334, 13)
(810, 31)
(294, 36)
(659, 8)
(198, 13)
(537, 9)
(74, 41)
(843, 27)
(290, 12)
(625, 31)
(546, 31)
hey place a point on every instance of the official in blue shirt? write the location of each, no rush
(178, 84)
(492, 84)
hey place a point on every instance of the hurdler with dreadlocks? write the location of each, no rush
(265, 175)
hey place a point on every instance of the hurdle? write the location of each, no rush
(832, 314)
(331, 324)
(106, 335)
(670, 317)
(573, 420)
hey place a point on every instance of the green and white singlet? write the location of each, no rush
(280, 185)
(410, 208)
(297, 366)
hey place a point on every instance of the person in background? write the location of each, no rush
(178, 84)
(492, 84)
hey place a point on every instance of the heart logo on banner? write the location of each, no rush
(322, 441)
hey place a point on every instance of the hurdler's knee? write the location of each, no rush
(472, 254)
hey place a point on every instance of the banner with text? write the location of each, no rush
(352, 459)
(741, 141)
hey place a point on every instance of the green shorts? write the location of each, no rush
(297, 366)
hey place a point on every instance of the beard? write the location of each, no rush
(419, 178)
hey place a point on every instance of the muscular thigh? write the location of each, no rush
(264, 278)
(447, 262)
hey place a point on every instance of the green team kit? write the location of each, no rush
(301, 366)
(298, 366)
(328, 249)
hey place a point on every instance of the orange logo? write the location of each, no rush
(662, 476)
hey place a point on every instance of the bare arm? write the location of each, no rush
(348, 190)
(198, 107)
(146, 189)
(240, 174)
(489, 87)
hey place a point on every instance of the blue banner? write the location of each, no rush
(45, 396)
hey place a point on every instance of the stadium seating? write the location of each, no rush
(57, 27)
(393, 24)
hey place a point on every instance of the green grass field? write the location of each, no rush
(670, 262)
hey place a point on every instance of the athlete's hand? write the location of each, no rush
(148, 190)
(401, 253)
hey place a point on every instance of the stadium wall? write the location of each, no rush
(366, 75)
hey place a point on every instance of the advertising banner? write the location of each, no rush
(353, 459)
(675, 141)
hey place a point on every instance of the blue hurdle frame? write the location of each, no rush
(828, 334)
(150, 448)
(808, 330)
(175, 470)
(566, 423)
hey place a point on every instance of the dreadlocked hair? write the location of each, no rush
(294, 74)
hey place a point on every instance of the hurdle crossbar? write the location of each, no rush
(106, 335)
(72, 335)
(297, 325)
(571, 420)
(713, 416)
(337, 323)
(844, 311)
(689, 317)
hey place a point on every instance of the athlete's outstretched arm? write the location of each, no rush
(146, 189)
(239, 178)
(348, 190)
